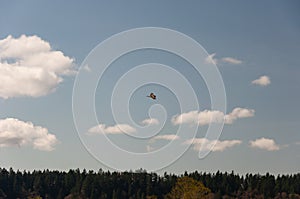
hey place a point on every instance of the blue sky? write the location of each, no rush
(248, 41)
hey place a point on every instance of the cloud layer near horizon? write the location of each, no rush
(30, 67)
(14, 132)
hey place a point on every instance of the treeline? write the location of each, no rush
(140, 184)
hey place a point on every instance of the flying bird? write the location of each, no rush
(152, 96)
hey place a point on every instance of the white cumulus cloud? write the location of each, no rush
(207, 116)
(116, 129)
(150, 121)
(30, 67)
(149, 148)
(264, 143)
(262, 81)
(213, 145)
(166, 137)
(14, 132)
(231, 60)
(238, 113)
(210, 59)
(87, 68)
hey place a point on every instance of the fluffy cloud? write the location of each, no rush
(231, 60)
(264, 143)
(206, 117)
(214, 145)
(149, 148)
(30, 67)
(14, 132)
(150, 121)
(86, 68)
(201, 118)
(166, 137)
(262, 81)
(238, 113)
(116, 129)
(210, 59)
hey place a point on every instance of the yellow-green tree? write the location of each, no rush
(151, 197)
(188, 188)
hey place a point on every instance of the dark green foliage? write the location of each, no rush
(140, 184)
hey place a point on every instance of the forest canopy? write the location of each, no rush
(143, 185)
